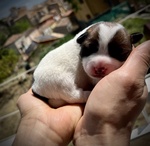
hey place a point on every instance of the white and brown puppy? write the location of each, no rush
(68, 73)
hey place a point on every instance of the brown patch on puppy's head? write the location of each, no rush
(89, 41)
(120, 46)
(112, 40)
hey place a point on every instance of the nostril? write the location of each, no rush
(100, 71)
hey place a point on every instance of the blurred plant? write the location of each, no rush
(74, 4)
(5, 32)
(136, 25)
(20, 26)
(3, 39)
(8, 60)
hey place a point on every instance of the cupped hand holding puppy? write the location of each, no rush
(44, 126)
(115, 103)
(108, 117)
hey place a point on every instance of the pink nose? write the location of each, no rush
(100, 71)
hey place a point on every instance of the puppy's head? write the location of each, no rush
(104, 48)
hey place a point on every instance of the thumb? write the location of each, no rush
(138, 62)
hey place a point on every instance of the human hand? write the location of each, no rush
(108, 117)
(42, 125)
(115, 103)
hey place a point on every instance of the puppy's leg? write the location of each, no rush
(67, 96)
(78, 96)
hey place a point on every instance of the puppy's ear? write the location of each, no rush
(82, 37)
(136, 37)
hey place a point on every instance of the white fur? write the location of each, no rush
(97, 61)
(60, 76)
(106, 34)
(101, 58)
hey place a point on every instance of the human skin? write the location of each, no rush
(42, 125)
(115, 103)
(108, 116)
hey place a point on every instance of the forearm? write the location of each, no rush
(35, 133)
(107, 136)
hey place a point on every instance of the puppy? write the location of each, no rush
(69, 73)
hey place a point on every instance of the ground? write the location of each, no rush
(9, 114)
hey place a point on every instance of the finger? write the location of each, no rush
(31, 97)
(139, 61)
(145, 93)
(27, 101)
(75, 111)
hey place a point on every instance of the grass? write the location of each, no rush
(136, 25)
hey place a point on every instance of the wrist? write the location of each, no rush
(116, 136)
(104, 135)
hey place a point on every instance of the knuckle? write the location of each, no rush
(129, 80)
(20, 99)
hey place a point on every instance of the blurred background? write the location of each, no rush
(29, 29)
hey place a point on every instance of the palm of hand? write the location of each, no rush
(59, 123)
